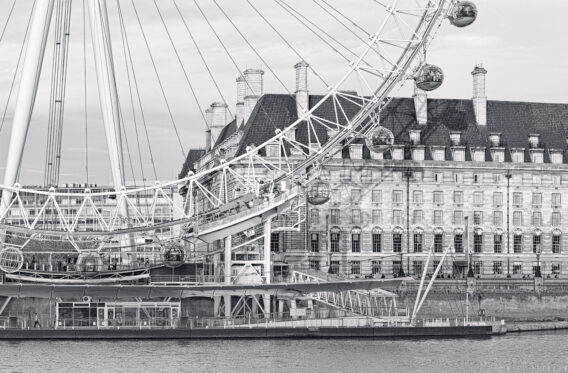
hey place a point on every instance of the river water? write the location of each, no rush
(528, 352)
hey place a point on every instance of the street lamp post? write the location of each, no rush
(469, 268)
(537, 273)
(407, 175)
(508, 177)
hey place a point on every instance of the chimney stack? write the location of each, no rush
(420, 105)
(479, 97)
(241, 93)
(208, 115)
(218, 120)
(302, 94)
(253, 90)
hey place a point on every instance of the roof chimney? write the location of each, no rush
(302, 94)
(208, 115)
(241, 92)
(420, 105)
(218, 120)
(479, 97)
(253, 90)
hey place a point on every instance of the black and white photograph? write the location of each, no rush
(283, 186)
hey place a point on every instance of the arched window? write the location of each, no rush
(397, 240)
(418, 239)
(458, 240)
(478, 240)
(356, 240)
(438, 240)
(537, 241)
(377, 239)
(335, 233)
(498, 241)
(518, 241)
(556, 239)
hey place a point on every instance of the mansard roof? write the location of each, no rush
(193, 156)
(227, 131)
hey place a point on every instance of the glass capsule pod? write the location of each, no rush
(89, 264)
(173, 255)
(429, 78)
(379, 140)
(464, 14)
(319, 192)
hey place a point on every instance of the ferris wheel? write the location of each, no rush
(376, 46)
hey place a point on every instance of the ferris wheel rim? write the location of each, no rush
(439, 8)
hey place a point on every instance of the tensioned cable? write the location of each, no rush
(286, 41)
(347, 18)
(185, 73)
(85, 93)
(122, 31)
(139, 99)
(202, 57)
(24, 42)
(158, 77)
(7, 20)
(232, 60)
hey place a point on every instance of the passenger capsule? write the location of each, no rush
(89, 264)
(173, 255)
(429, 78)
(379, 140)
(319, 192)
(464, 14)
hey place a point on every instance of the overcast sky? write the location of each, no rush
(521, 43)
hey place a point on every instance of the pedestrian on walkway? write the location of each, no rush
(36, 321)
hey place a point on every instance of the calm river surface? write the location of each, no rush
(529, 352)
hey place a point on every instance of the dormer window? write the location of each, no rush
(418, 153)
(478, 154)
(518, 155)
(534, 141)
(338, 152)
(455, 138)
(273, 150)
(438, 153)
(556, 156)
(495, 139)
(398, 153)
(414, 137)
(458, 153)
(356, 151)
(498, 154)
(537, 155)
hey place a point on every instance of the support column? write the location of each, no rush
(280, 308)
(25, 101)
(228, 280)
(108, 97)
(267, 266)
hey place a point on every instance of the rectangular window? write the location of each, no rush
(376, 242)
(397, 217)
(517, 269)
(518, 199)
(418, 217)
(555, 268)
(315, 264)
(458, 197)
(537, 200)
(335, 216)
(438, 177)
(498, 218)
(438, 197)
(497, 244)
(458, 243)
(438, 217)
(537, 219)
(356, 216)
(478, 198)
(537, 248)
(418, 240)
(356, 243)
(477, 217)
(315, 217)
(556, 220)
(417, 267)
(497, 268)
(315, 242)
(556, 244)
(556, 200)
(438, 243)
(517, 218)
(376, 267)
(334, 267)
(477, 268)
(377, 217)
(458, 217)
(397, 242)
(356, 268)
(396, 196)
(377, 196)
(517, 243)
(417, 197)
(478, 242)
(334, 243)
(355, 195)
(497, 199)
(396, 265)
